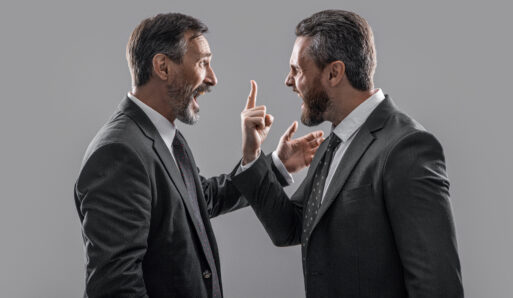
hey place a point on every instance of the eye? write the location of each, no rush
(295, 70)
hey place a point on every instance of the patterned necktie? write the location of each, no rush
(185, 166)
(314, 201)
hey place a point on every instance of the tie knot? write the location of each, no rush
(177, 140)
(334, 141)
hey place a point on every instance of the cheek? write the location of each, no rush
(301, 84)
(201, 74)
(196, 76)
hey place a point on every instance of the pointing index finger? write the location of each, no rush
(252, 96)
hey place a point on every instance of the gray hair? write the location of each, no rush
(163, 34)
(344, 36)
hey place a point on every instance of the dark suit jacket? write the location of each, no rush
(385, 227)
(140, 239)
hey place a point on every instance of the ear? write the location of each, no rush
(336, 72)
(161, 65)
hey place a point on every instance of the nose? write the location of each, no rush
(289, 81)
(210, 78)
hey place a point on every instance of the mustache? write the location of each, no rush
(203, 88)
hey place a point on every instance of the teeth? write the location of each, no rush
(201, 92)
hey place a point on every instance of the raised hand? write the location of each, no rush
(255, 124)
(298, 153)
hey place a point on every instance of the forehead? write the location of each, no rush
(197, 45)
(300, 54)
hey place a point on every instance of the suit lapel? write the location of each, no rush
(354, 153)
(351, 157)
(202, 206)
(135, 113)
(174, 173)
(199, 188)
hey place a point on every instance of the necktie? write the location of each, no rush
(185, 166)
(314, 201)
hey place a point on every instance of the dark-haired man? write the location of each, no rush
(143, 206)
(373, 215)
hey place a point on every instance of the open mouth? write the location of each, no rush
(297, 92)
(197, 93)
(200, 91)
(195, 102)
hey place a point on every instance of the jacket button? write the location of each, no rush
(207, 274)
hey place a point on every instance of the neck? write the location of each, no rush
(153, 97)
(344, 102)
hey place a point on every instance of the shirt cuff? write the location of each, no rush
(242, 168)
(282, 169)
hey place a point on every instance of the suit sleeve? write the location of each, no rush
(280, 216)
(113, 198)
(222, 196)
(417, 200)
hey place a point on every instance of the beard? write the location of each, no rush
(316, 102)
(182, 94)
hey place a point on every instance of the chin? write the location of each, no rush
(306, 119)
(310, 120)
(189, 120)
(189, 116)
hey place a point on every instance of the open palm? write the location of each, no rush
(297, 154)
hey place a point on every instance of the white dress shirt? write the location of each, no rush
(348, 128)
(166, 129)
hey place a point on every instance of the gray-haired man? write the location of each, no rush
(144, 208)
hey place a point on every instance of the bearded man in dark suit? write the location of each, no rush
(372, 216)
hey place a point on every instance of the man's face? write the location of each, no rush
(305, 79)
(193, 77)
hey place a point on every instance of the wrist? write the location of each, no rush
(280, 155)
(250, 156)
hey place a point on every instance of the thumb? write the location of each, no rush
(289, 133)
(269, 119)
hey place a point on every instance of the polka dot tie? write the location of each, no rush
(185, 166)
(314, 201)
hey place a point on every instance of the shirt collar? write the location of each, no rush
(352, 123)
(166, 129)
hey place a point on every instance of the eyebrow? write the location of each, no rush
(203, 55)
(195, 35)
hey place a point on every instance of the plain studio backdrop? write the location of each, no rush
(63, 72)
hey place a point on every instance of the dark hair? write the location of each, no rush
(162, 33)
(345, 36)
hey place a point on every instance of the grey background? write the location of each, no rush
(63, 72)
